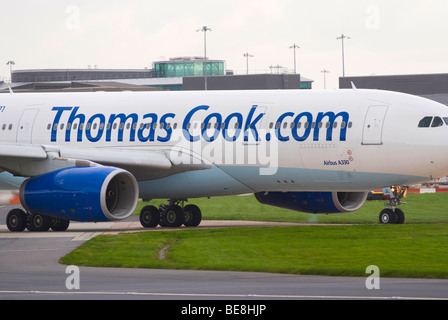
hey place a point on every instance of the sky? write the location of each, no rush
(386, 36)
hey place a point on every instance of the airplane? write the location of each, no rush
(90, 157)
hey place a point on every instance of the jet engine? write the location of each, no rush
(315, 202)
(86, 194)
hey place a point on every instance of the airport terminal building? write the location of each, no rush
(431, 86)
(175, 74)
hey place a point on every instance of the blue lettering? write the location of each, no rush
(216, 130)
(150, 126)
(251, 125)
(278, 126)
(307, 126)
(102, 120)
(154, 128)
(239, 122)
(74, 116)
(166, 127)
(57, 118)
(186, 125)
(123, 119)
(331, 120)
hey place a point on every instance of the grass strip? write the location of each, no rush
(421, 208)
(414, 251)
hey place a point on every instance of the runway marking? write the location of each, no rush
(212, 295)
(28, 250)
(86, 236)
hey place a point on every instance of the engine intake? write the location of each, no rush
(315, 202)
(86, 194)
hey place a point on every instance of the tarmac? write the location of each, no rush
(30, 270)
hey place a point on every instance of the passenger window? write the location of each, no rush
(425, 122)
(438, 122)
(446, 120)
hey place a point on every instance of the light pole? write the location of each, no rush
(278, 67)
(342, 37)
(205, 29)
(295, 64)
(10, 63)
(325, 77)
(247, 55)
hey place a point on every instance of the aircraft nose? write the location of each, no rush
(439, 152)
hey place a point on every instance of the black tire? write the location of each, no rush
(388, 216)
(16, 220)
(150, 217)
(172, 217)
(192, 216)
(59, 225)
(400, 216)
(38, 222)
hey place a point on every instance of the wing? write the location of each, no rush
(143, 163)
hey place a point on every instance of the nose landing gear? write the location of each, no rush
(393, 215)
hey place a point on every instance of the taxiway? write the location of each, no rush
(29, 269)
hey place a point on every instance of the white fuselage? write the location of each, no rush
(253, 141)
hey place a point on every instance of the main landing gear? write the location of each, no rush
(171, 215)
(19, 220)
(393, 215)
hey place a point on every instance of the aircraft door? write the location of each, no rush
(26, 124)
(373, 125)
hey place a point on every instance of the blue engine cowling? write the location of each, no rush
(315, 202)
(86, 194)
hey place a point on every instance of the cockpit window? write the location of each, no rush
(433, 122)
(425, 122)
(438, 122)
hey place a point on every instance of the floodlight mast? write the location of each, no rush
(325, 77)
(295, 64)
(205, 29)
(342, 37)
(247, 55)
(10, 63)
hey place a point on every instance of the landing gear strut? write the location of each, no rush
(171, 215)
(393, 215)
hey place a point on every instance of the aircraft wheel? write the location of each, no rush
(400, 216)
(38, 222)
(388, 216)
(150, 217)
(16, 220)
(192, 216)
(172, 216)
(59, 225)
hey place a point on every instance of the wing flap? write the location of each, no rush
(22, 151)
(119, 157)
(143, 163)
